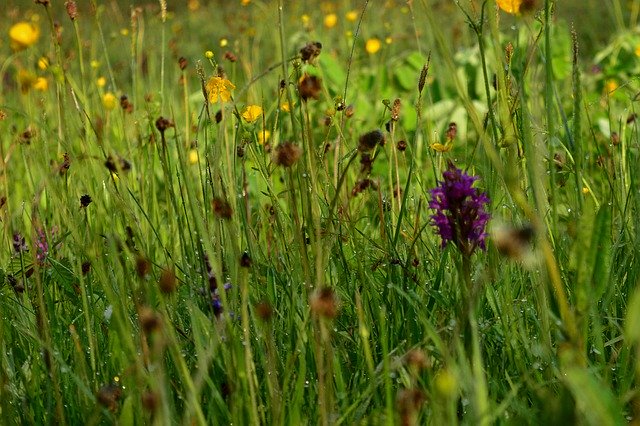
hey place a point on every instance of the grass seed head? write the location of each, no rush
(168, 282)
(309, 86)
(287, 154)
(324, 303)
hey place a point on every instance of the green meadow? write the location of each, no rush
(356, 212)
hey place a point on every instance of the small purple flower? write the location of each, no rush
(42, 246)
(460, 214)
(19, 243)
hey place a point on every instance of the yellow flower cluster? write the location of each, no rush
(219, 89)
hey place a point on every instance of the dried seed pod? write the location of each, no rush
(287, 154)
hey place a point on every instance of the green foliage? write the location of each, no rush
(286, 271)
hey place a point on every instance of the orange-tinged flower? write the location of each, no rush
(372, 45)
(245, 2)
(219, 88)
(510, 6)
(251, 113)
(610, 85)
(23, 35)
(330, 20)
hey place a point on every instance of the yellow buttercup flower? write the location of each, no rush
(224, 42)
(330, 20)
(41, 84)
(251, 113)
(245, 2)
(263, 136)
(219, 88)
(352, 15)
(109, 101)
(193, 156)
(637, 50)
(23, 35)
(101, 81)
(372, 45)
(43, 63)
(193, 5)
(438, 147)
(510, 6)
(285, 106)
(208, 54)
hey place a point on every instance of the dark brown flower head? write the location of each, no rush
(182, 63)
(324, 303)
(116, 165)
(64, 166)
(287, 154)
(366, 163)
(125, 104)
(149, 320)
(17, 286)
(72, 9)
(27, 135)
(218, 116)
(108, 396)
(349, 111)
(19, 243)
(264, 311)
(452, 131)
(168, 281)
(362, 185)
(615, 139)
(402, 145)
(631, 118)
(85, 200)
(417, 359)
(245, 260)
(309, 86)
(143, 267)
(230, 56)
(163, 124)
(369, 140)
(221, 208)
(45, 3)
(310, 51)
(85, 267)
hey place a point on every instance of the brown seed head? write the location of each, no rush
(408, 402)
(369, 140)
(324, 303)
(264, 311)
(168, 281)
(108, 396)
(402, 146)
(149, 320)
(309, 86)
(417, 359)
(85, 267)
(72, 9)
(230, 56)
(287, 154)
(615, 138)
(64, 166)
(163, 124)
(310, 51)
(182, 63)
(513, 242)
(221, 208)
(143, 267)
(85, 200)
(395, 110)
(452, 131)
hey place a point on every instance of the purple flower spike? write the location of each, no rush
(460, 214)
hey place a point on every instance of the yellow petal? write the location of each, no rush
(251, 113)
(510, 6)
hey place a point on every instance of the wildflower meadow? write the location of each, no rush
(340, 212)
